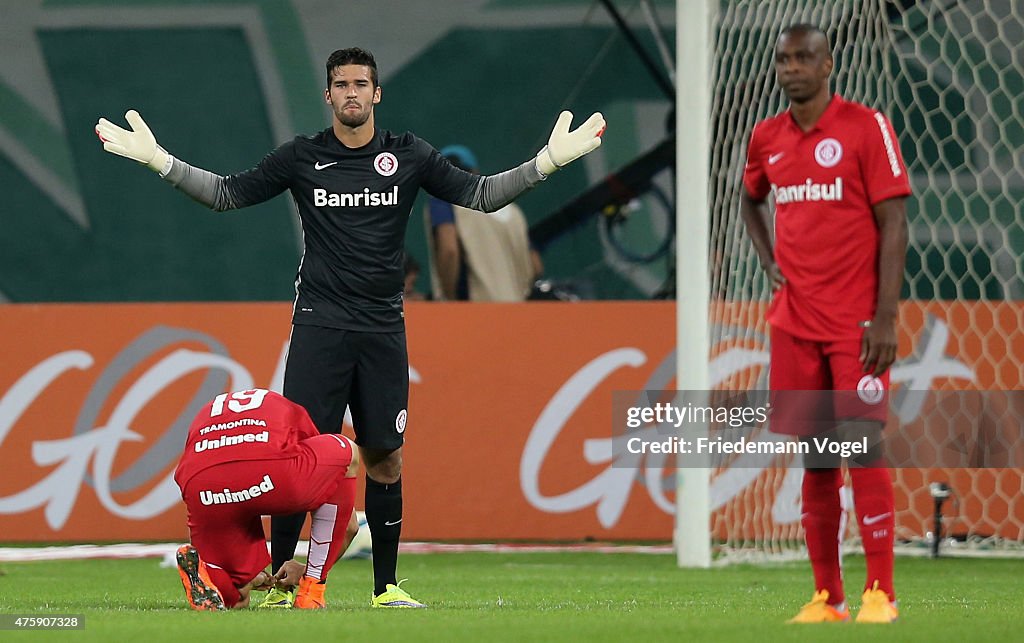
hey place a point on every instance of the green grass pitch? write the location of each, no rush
(528, 597)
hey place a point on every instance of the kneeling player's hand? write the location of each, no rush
(137, 144)
(564, 146)
(290, 573)
(262, 582)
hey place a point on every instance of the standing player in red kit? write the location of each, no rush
(254, 453)
(836, 268)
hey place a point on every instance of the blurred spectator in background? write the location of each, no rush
(476, 256)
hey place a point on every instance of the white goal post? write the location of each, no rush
(693, 136)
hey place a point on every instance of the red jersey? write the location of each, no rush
(824, 183)
(246, 425)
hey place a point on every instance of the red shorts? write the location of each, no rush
(225, 503)
(800, 365)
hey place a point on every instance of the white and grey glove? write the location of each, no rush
(139, 144)
(564, 146)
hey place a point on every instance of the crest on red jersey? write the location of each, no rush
(828, 152)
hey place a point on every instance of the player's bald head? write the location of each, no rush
(817, 40)
(803, 62)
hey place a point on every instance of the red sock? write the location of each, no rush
(821, 519)
(225, 585)
(327, 529)
(876, 517)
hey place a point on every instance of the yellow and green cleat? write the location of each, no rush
(278, 599)
(395, 597)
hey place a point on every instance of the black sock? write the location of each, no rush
(284, 536)
(384, 517)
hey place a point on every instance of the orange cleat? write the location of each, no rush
(311, 594)
(819, 611)
(876, 607)
(200, 591)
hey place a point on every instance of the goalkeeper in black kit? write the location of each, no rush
(354, 186)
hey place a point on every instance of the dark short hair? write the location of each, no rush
(807, 29)
(352, 56)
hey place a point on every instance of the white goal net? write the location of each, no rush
(949, 75)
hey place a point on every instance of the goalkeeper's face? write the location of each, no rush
(802, 65)
(352, 94)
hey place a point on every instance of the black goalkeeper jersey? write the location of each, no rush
(354, 206)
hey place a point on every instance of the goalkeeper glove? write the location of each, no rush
(564, 146)
(137, 144)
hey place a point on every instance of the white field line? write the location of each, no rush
(166, 550)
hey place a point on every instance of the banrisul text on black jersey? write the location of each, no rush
(322, 197)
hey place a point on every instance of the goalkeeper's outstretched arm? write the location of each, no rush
(564, 146)
(490, 193)
(487, 193)
(139, 144)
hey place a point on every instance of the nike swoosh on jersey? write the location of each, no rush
(774, 158)
(870, 520)
(318, 166)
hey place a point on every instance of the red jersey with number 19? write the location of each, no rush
(824, 183)
(246, 425)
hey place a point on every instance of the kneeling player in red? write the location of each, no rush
(249, 454)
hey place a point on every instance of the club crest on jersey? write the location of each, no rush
(828, 152)
(870, 390)
(386, 164)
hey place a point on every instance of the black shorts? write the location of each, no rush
(328, 369)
